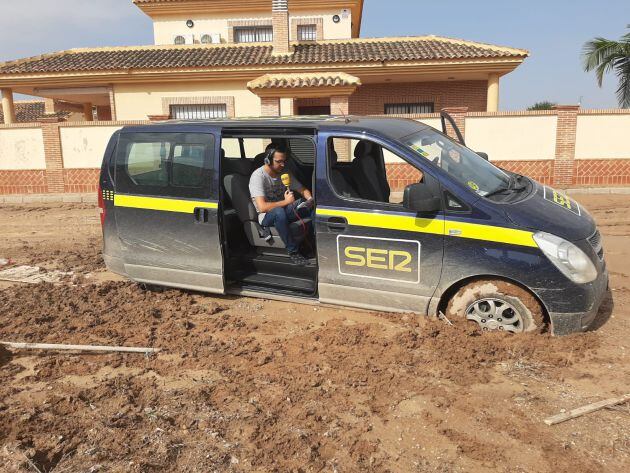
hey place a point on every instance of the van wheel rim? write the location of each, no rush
(495, 314)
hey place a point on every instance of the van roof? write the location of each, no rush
(391, 127)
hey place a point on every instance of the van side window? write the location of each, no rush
(363, 169)
(146, 163)
(169, 164)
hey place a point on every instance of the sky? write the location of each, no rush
(554, 32)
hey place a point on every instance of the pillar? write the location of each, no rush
(52, 153)
(564, 162)
(339, 105)
(280, 24)
(270, 106)
(8, 107)
(88, 112)
(493, 93)
(459, 116)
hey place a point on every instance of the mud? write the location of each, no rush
(254, 385)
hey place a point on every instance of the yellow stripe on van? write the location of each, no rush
(433, 226)
(158, 203)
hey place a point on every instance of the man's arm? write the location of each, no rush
(264, 206)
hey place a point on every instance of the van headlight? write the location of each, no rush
(567, 257)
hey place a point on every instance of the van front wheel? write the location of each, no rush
(496, 305)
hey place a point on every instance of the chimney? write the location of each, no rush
(280, 22)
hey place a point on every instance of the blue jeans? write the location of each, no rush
(282, 217)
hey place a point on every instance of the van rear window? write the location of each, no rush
(169, 164)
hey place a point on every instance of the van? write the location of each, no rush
(406, 220)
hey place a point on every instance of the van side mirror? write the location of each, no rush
(483, 155)
(420, 198)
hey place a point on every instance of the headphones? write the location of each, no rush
(269, 155)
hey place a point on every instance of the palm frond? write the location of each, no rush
(622, 69)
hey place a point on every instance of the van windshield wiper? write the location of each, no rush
(514, 184)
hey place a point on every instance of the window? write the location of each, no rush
(307, 32)
(146, 163)
(364, 169)
(302, 150)
(409, 108)
(188, 166)
(198, 112)
(206, 39)
(253, 34)
(169, 164)
(179, 39)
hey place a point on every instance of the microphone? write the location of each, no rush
(286, 180)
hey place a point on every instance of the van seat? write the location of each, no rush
(237, 189)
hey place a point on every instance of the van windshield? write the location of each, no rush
(461, 163)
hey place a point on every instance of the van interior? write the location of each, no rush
(254, 257)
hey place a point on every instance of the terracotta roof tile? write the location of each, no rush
(30, 111)
(316, 79)
(340, 51)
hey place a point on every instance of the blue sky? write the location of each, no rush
(552, 30)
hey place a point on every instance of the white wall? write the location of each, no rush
(136, 101)
(603, 137)
(166, 27)
(513, 138)
(22, 148)
(83, 147)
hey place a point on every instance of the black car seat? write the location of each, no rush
(340, 182)
(368, 172)
(237, 188)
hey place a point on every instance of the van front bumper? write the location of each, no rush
(563, 323)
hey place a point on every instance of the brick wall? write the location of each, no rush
(563, 171)
(370, 99)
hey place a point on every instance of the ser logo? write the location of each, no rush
(379, 258)
(562, 200)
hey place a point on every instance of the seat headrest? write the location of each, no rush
(363, 148)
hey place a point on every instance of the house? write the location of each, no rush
(227, 58)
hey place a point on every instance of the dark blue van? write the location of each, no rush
(407, 219)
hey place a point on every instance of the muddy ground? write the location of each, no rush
(254, 385)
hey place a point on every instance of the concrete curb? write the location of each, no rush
(90, 198)
(599, 190)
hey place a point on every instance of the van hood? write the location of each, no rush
(552, 211)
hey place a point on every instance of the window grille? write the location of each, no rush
(198, 112)
(408, 108)
(253, 34)
(307, 32)
(206, 39)
(180, 39)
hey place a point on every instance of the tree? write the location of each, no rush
(605, 55)
(544, 105)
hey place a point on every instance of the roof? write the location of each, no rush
(411, 49)
(292, 81)
(30, 111)
(385, 126)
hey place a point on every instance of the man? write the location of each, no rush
(276, 205)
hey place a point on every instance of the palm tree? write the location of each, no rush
(604, 55)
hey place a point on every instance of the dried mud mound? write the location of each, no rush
(237, 390)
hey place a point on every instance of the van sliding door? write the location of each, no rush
(166, 208)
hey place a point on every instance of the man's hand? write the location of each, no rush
(289, 198)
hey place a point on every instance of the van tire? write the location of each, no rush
(494, 304)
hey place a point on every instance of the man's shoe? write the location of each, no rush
(298, 259)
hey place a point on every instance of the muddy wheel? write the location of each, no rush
(496, 305)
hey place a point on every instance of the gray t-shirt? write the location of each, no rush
(262, 184)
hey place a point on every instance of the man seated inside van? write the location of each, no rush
(276, 204)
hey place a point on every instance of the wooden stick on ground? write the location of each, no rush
(580, 411)
(54, 346)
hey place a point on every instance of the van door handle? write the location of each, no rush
(202, 215)
(337, 224)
